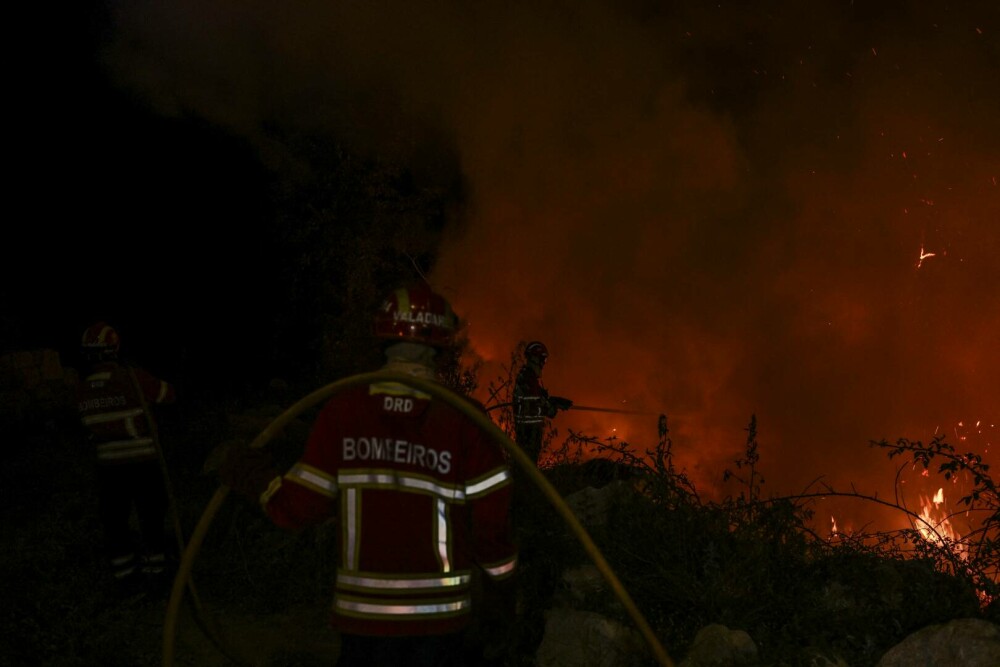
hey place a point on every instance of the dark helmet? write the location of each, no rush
(416, 315)
(536, 349)
(100, 341)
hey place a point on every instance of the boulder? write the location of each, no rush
(587, 639)
(717, 646)
(967, 642)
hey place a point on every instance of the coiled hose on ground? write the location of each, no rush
(183, 576)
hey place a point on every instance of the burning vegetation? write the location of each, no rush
(760, 561)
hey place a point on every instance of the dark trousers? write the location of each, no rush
(122, 488)
(529, 438)
(426, 651)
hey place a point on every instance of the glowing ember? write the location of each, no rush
(923, 256)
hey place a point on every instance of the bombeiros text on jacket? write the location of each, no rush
(395, 450)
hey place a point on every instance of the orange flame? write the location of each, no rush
(936, 528)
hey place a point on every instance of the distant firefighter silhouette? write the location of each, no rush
(532, 403)
(113, 403)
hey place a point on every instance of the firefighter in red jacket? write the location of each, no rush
(420, 491)
(113, 402)
(532, 403)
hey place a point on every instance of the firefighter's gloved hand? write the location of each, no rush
(247, 471)
(560, 403)
(218, 455)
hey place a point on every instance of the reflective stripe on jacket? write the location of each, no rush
(111, 410)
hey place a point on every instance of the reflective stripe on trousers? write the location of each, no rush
(374, 609)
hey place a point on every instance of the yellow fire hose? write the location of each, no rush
(437, 391)
(201, 618)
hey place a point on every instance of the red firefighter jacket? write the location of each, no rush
(421, 495)
(531, 399)
(111, 410)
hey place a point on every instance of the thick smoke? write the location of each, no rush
(710, 212)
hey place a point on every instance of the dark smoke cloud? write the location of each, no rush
(707, 210)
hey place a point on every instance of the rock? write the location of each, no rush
(823, 658)
(583, 582)
(967, 642)
(592, 506)
(717, 646)
(587, 639)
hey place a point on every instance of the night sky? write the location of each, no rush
(704, 209)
